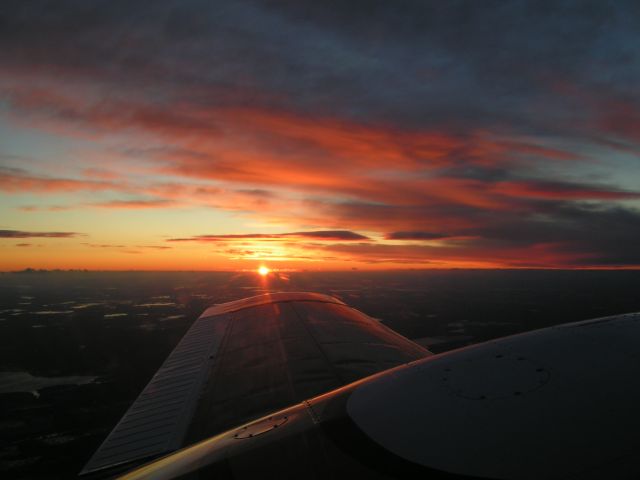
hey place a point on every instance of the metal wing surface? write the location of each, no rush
(244, 359)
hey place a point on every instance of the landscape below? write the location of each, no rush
(76, 348)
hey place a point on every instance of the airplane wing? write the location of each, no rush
(244, 359)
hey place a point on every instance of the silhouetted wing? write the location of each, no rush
(243, 359)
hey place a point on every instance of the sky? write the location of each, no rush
(319, 135)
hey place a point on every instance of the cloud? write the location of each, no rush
(318, 235)
(588, 234)
(203, 194)
(17, 180)
(101, 174)
(102, 245)
(134, 204)
(328, 235)
(561, 190)
(111, 204)
(51, 208)
(23, 234)
(279, 147)
(415, 236)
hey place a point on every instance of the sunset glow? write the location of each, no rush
(318, 136)
(263, 271)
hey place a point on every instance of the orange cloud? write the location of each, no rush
(318, 235)
(134, 204)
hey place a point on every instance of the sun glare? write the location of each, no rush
(263, 271)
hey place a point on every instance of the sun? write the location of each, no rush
(263, 271)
